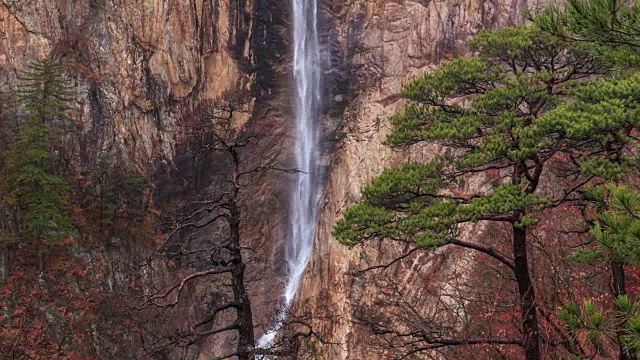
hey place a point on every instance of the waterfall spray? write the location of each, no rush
(304, 199)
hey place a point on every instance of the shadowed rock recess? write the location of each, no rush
(136, 64)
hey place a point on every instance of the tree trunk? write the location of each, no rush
(246, 343)
(619, 289)
(527, 294)
(244, 317)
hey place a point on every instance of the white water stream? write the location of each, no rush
(304, 197)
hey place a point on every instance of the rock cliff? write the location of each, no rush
(136, 66)
(136, 63)
(385, 43)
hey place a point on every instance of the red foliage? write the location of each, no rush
(52, 315)
(633, 280)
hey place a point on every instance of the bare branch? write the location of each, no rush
(486, 250)
(179, 286)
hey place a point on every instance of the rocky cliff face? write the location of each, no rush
(385, 43)
(136, 63)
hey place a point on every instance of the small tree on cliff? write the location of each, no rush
(498, 114)
(33, 192)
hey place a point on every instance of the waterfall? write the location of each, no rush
(304, 197)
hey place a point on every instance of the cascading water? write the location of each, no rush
(304, 201)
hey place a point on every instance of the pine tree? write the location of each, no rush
(614, 27)
(616, 232)
(591, 325)
(616, 242)
(35, 194)
(505, 110)
(46, 93)
(612, 24)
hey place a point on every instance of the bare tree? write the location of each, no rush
(205, 237)
(209, 126)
